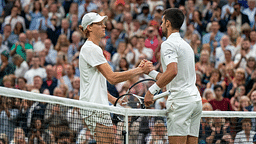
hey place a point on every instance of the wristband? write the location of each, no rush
(154, 89)
(153, 74)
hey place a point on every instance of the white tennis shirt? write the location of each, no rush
(93, 85)
(175, 49)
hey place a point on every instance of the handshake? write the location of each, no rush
(146, 66)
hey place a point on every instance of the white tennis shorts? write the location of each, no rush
(184, 118)
(92, 117)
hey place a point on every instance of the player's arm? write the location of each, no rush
(116, 77)
(166, 77)
(111, 99)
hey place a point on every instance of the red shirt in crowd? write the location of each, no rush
(223, 105)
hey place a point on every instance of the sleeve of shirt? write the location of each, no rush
(95, 56)
(169, 53)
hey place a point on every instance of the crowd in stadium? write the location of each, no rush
(40, 44)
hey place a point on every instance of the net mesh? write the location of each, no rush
(33, 118)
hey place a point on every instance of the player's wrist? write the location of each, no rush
(154, 89)
(153, 74)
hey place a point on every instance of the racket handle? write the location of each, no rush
(161, 95)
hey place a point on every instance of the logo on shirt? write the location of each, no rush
(168, 53)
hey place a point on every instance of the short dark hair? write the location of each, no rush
(175, 16)
(217, 86)
(245, 120)
(237, 4)
(64, 134)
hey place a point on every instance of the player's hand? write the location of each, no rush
(148, 100)
(148, 66)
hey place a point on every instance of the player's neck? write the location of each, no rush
(170, 31)
(94, 39)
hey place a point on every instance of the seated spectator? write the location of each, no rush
(74, 46)
(14, 18)
(55, 115)
(246, 135)
(244, 102)
(21, 46)
(218, 130)
(61, 40)
(158, 134)
(21, 83)
(196, 46)
(6, 68)
(2, 47)
(250, 82)
(235, 100)
(215, 79)
(250, 66)
(8, 115)
(3, 138)
(142, 51)
(52, 30)
(68, 78)
(34, 71)
(64, 137)
(220, 103)
(235, 38)
(39, 45)
(50, 82)
(21, 66)
(122, 52)
(8, 81)
(65, 29)
(252, 108)
(205, 128)
(19, 137)
(38, 134)
(50, 52)
(208, 94)
(204, 62)
(113, 41)
(9, 38)
(43, 22)
(238, 80)
(214, 36)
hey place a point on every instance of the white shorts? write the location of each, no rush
(183, 119)
(92, 117)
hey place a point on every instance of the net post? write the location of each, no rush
(126, 127)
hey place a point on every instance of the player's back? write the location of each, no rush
(183, 85)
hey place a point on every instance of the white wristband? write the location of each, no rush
(154, 89)
(153, 74)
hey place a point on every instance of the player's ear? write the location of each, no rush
(167, 23)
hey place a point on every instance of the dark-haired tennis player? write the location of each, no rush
(184, 106)
(94, 70)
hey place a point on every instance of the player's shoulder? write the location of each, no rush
(89, 46)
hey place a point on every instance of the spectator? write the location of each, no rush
(220, 103)
(250, 82)
(204, 62)
(74, 46)
(112, 42)
(227, 9)
(209, 94)
(51, 54)
(61, 63)
(213, 37)
(21, 83)
(37, 83)
(21, 66)
(21, 46)
(29, 36)
(35, 14)
(19, 137)
(50, 82)
(250, 66)
(34, 71)
(244, 102)
(13, 18)
(238, 16)
(235, 100)
(6, 68)
(205, 128)
(55, 115)
(9, 38)
(238, 80)
(218, 130)
(61, 40)
(8, 115)
(38, 134)
(3, 139)
(44, 21)
(215, 79)
(144, 17)
(64, 137)
(85, 7)
(246, 135)
(245, 53)
(65, 29)
(201, 87)
(68, 78)
(122, 52)
(52, 31)
(250, 12)
(73, 10)
(2, 47)
(253, 39)
(76, 86)
(56, 9)
(141, 51)
(220, 51)
(158, 134)
(234, 36)
(39, 45)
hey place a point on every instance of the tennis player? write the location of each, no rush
(184, 106)
(94, 70)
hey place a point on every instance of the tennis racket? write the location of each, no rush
(134, 97)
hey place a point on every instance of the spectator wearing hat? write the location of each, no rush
(6, 67)
(21, 46)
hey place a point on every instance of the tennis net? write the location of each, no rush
(27, 117)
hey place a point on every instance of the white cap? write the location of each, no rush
(90, 18)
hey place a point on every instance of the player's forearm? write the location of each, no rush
(111, 98)
(168, 75)
(118, 77)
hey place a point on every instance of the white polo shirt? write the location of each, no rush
(93, 85)
(175, 49)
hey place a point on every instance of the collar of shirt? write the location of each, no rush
(174, 35)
